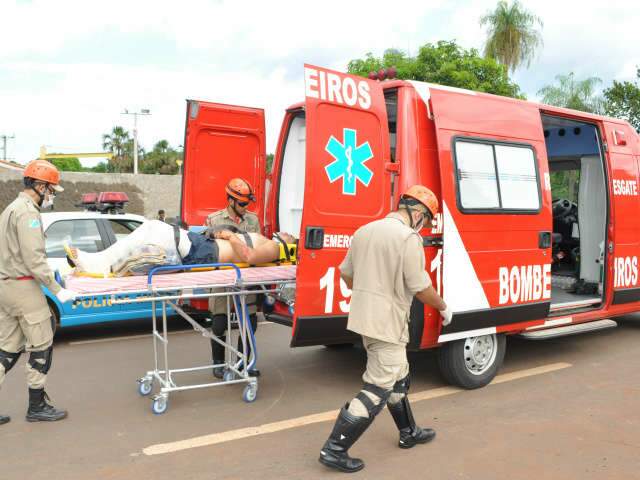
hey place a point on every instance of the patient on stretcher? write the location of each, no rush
(156, 243)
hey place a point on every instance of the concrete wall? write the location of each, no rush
(147, 193)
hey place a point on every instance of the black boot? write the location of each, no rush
(39, 408)
(4, 419)
(410, 433)
(346, 431)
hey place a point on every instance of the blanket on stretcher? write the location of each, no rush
(94, 286)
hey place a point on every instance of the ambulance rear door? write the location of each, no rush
(496, 205)
(346, 186)
(221, 142)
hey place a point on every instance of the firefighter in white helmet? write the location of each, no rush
(385, 268)
(25, 319)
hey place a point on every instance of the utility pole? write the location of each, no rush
(143, 111)
(4, 145)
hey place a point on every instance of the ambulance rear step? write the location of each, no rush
(569, 330)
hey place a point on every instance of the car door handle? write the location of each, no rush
(314, 238)
(544, 239)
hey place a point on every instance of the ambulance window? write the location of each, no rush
(391, 102)
(476, 176)
(496, 176)
(517, 178)
(83, 234)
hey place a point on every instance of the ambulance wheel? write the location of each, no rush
(339, 346)
(160, 405)
(250, 393)
(145, 385)
(472, 362)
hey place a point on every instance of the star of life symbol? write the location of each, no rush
(349, 163)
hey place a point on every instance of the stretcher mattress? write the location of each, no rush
(94, 286)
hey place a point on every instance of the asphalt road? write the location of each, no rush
(563, 409)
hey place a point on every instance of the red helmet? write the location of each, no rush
(45, 172)
(240, 189)
(423, 195)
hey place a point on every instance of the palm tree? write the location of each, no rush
(116, 142)
(511, 38)
(572, 93)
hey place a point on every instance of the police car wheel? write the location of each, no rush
(55, 320)
(472, 362)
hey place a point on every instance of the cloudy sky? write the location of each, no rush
(68, 68)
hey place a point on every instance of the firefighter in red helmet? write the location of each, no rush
(240, 196)
(26, 323)
(385, 268)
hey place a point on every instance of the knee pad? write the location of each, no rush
(46, 355)
(402, 385)
(8, 359)
(373, 408)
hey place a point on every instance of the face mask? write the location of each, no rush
(47, 203)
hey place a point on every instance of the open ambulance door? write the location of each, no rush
(221, 142)
(496, 206)
(346, 186)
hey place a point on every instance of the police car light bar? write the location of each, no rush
(89, 198)
(113, 197)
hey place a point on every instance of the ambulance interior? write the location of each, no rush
(579, 212)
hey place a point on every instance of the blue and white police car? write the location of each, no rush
(91, 230)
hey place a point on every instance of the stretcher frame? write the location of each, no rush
(237, 364)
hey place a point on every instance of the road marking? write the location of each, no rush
(133, 337)
(230, 435)
(117, 339)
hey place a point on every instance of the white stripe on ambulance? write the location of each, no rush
(524, 283)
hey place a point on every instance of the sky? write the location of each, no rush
(69, 68)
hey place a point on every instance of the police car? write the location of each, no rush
(101, 224)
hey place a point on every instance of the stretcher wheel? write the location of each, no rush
(228, 376)
(250, 393)
(145, 386)
(160, 405)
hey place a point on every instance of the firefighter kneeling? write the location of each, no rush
(385, 268)
(25, 318)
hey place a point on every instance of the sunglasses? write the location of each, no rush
(242, 204)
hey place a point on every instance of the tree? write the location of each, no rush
(162, 159)
(120, 145)
(69, 164)
(623, 101)
(572, 93)
(512, 38)
(445, 63)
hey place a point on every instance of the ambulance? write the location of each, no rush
(538, 233)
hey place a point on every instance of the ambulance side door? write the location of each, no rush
(496, 205)
(347, 146)
(620, 139)
(221, 142)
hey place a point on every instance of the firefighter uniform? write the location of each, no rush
(218, 305)
(25, 319)
(387, 264)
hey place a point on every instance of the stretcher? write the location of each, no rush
(172, 286)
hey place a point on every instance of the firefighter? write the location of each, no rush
(240, 194)
(385, 268)
(26, 322)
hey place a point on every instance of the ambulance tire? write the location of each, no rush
(453, 360)
(339, 346)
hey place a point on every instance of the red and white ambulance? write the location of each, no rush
(539, 230)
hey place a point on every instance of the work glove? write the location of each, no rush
(447, 315)
(65, 295)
